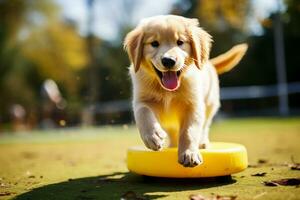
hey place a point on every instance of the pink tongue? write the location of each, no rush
(170, 80)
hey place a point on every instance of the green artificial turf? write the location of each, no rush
(89, 163)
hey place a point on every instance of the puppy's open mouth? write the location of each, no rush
(169, 79)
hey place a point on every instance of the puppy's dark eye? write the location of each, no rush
(179, 42)
(155, 44)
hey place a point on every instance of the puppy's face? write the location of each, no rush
(167, 51)
(165, 46)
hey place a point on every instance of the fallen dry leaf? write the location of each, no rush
(6, 193)
(284, 182)
(229, 197)
(270, 183)
(295, 166)
(214, 197)
(252, 166)
(259, 174)
(130, 195)
(197, 197)
(262, 161)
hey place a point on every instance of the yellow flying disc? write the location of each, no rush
(220, 159)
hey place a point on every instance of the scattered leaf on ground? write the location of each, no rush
(259, 174)
(215, 197)
(229, 197)
(262, 161)
(270, 183)
(6, 193)
(197, 197)
(284, 182)
(105, 180)
(130, 195)
(295, 166)
(252, 166)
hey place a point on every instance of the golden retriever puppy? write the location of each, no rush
(175, 85)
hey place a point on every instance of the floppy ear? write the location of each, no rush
(133, 44)
(200, 42)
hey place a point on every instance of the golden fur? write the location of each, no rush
(184, 112)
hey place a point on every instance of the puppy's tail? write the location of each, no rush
(228, 60)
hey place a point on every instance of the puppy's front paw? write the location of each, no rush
(190, 158)
(154, 139)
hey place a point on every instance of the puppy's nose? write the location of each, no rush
(168, 62)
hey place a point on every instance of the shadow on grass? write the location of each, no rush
(113, 186)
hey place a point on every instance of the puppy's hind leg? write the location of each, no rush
(173, 137)
(211, 111)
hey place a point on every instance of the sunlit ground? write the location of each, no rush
(90, 163)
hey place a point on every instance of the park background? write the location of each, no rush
(62, 63)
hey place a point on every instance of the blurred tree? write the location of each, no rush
(258, 67)
(221, 15)
(225, 20)
(15, 84)
(114, 72)
(292, 39)
(291, 23)
(259, 63)
(58, 52)
(36, 44)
